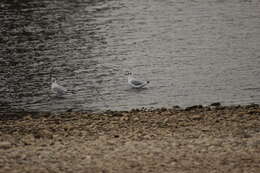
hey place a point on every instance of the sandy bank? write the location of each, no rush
(195, 139)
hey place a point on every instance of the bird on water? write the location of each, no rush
(57, 89)
(134, 83)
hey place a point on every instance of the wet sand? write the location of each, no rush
(195, 139)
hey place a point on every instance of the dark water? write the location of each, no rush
(193, 52)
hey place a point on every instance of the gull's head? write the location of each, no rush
(129, 73)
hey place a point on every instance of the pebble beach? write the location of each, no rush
(194, 139)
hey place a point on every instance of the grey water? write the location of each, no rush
(192, 52)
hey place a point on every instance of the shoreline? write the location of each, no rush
(216, 105)
(193, 139)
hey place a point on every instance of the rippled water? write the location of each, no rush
(193, 52)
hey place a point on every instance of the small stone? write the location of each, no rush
(28, 139)
(124, 118)
(176, 107)
(166, 120)
(44, 134)
(136, 119)
(197, 117)
(28, 117)
(5, 145)
(193, 107)
(216, 104)
(163, 109)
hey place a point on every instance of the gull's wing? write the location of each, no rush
(136, 82)
(59, 89)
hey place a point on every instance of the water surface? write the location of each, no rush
(192, 52)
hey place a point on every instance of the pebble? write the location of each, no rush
(5, 145)
(136, 119)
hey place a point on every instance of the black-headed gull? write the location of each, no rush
(134, 83)
(56, 88)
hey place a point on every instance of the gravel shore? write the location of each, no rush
(195, 139)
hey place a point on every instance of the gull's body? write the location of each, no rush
(57, 89)
(134, 83)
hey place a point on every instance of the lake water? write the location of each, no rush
(192, 52)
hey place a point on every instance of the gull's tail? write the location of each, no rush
(70, 91)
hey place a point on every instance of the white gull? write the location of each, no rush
(56, 88)
(134, 83)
